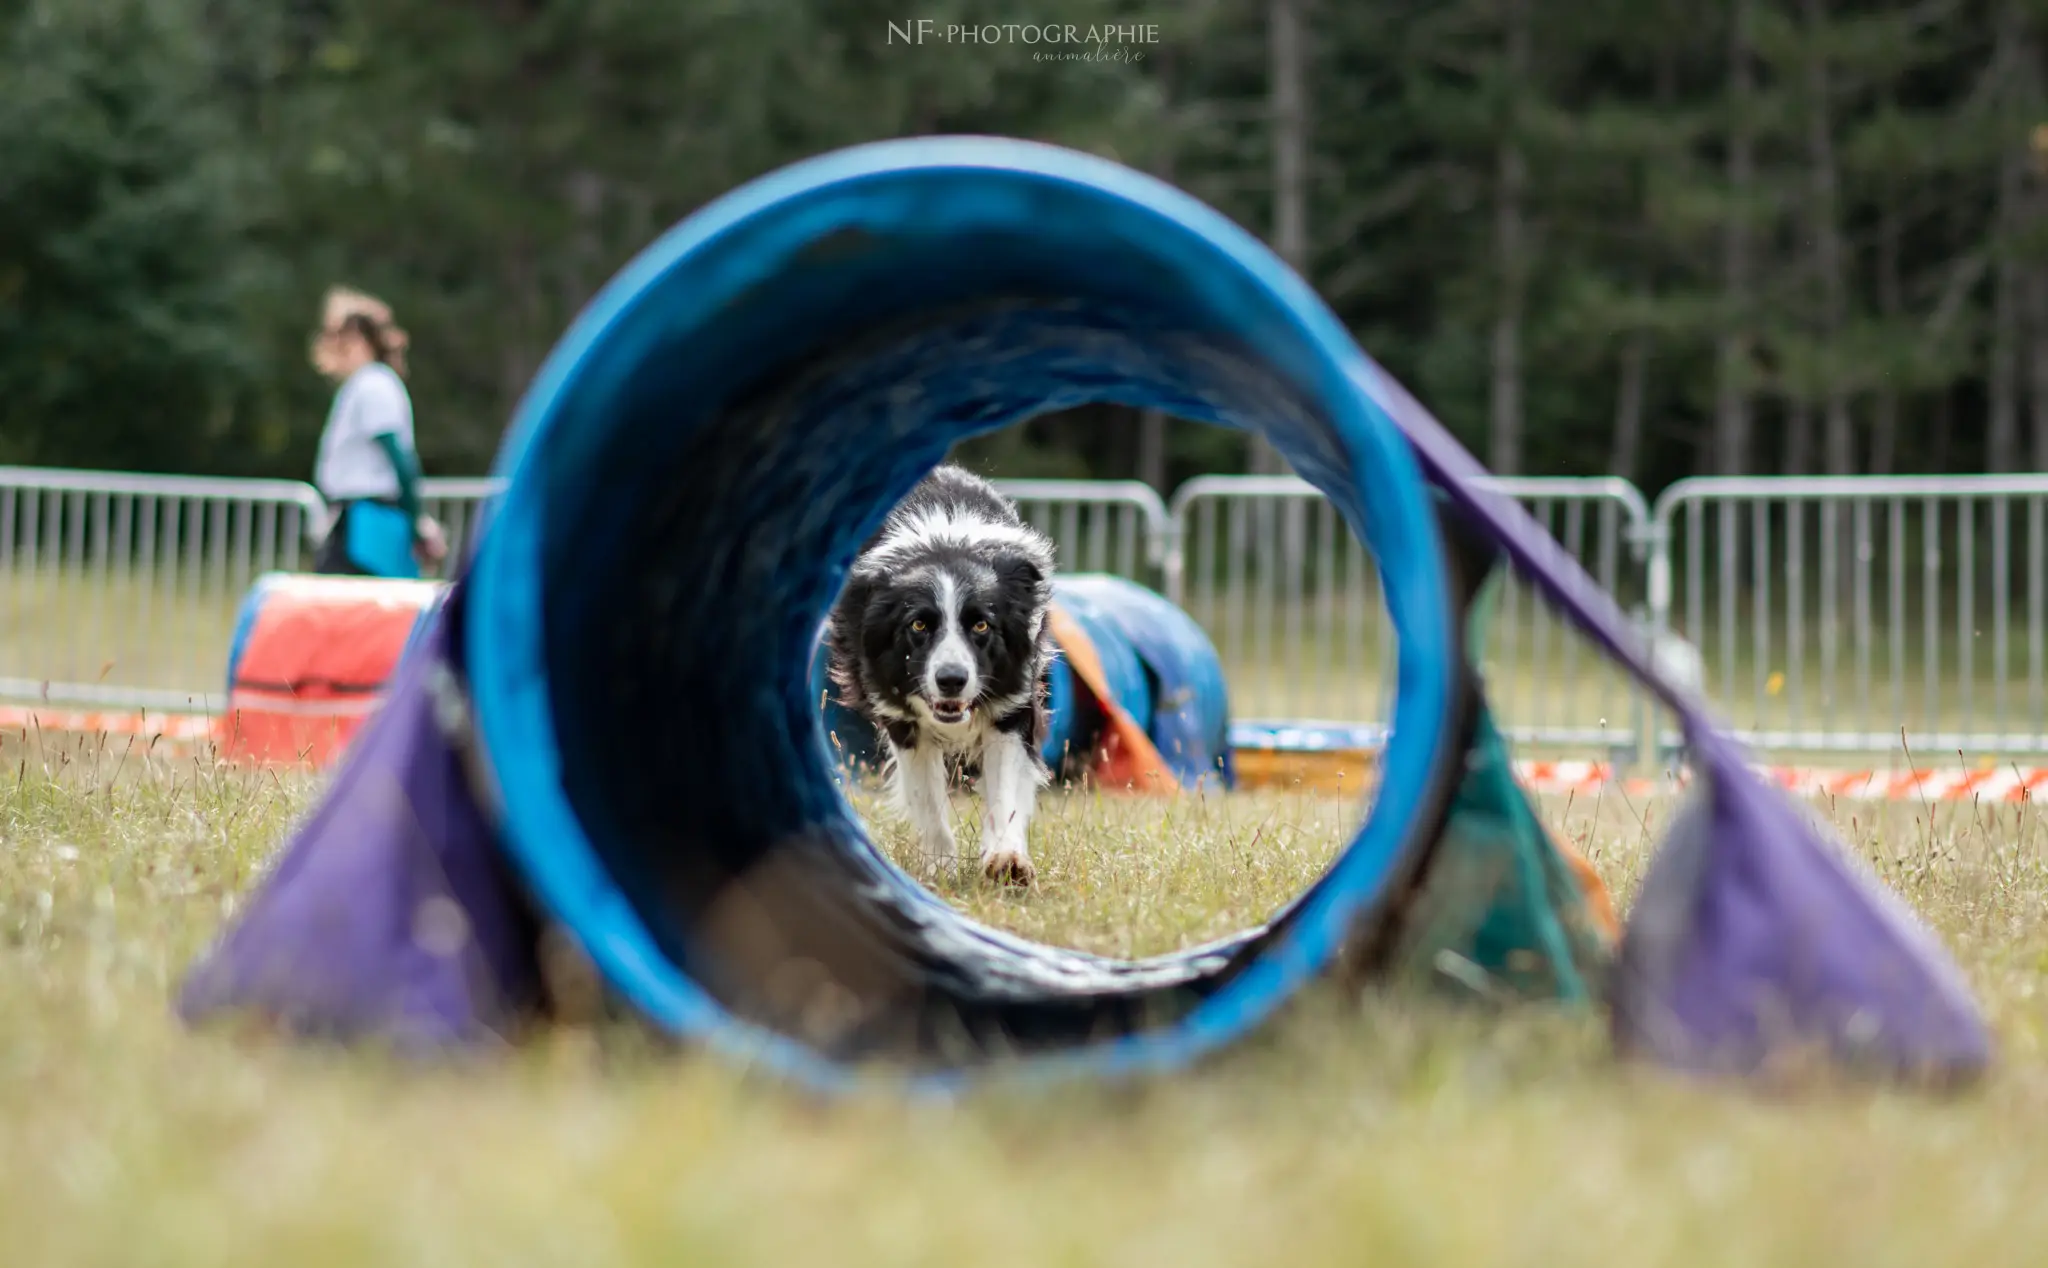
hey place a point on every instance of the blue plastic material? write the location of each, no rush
(702, 454)
(1187, 710)
(1123, 670)
(1308, 737)
(245, 624)
(1060, 730)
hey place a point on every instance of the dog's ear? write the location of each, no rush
(879, 616)
(1021, 582)
(849, 618)
(852, 599)
(1023, 590)
(854, 595)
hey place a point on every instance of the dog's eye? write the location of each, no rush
(917, 627)
(981, 627)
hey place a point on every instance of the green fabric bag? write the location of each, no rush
(1499, 913)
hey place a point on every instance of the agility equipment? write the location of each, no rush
(309, 659)
(1185, 707)
(607, 728)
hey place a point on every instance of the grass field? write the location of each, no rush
(1355, 1131)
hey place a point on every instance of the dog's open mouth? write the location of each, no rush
(949, 711)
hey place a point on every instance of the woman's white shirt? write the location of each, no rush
(372, 402)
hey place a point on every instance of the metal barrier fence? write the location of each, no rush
(1857, 614)
(1117, 526)
(121, 589)
(1292, 601)
(463, 507)
(1829, 614)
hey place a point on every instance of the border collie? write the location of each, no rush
(939, 639)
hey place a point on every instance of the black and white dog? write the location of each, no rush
(939, 639)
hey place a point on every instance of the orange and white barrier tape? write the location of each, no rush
(170, 726)
(2003, 783)
(1339, 756)
(2007, 783)
(2011, 784)
(1269, 760)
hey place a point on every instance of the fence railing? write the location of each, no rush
(121, 589)
(1293, 603)
(1861, 614)
(462, 506)
(1118, 526)
(1827, 614)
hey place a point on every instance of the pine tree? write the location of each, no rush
(120, 210)
(1911, 337)
(1640, 204)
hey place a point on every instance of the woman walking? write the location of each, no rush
(368, 470)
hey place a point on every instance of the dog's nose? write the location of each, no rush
(950, 682)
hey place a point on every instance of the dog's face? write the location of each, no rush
(951, 636)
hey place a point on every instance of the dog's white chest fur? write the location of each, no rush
(959, 739)
(1010, 780)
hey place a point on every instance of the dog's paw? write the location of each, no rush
(1009, 867)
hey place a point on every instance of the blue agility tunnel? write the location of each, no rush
(611, 729)
(1182, 700)
(689, 478)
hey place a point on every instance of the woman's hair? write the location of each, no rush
(387, 342)
(344, 312)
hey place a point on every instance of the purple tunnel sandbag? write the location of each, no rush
(1754, 934)
(900, 297)
(394, 915)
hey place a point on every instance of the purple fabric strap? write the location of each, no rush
(1755, 936)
